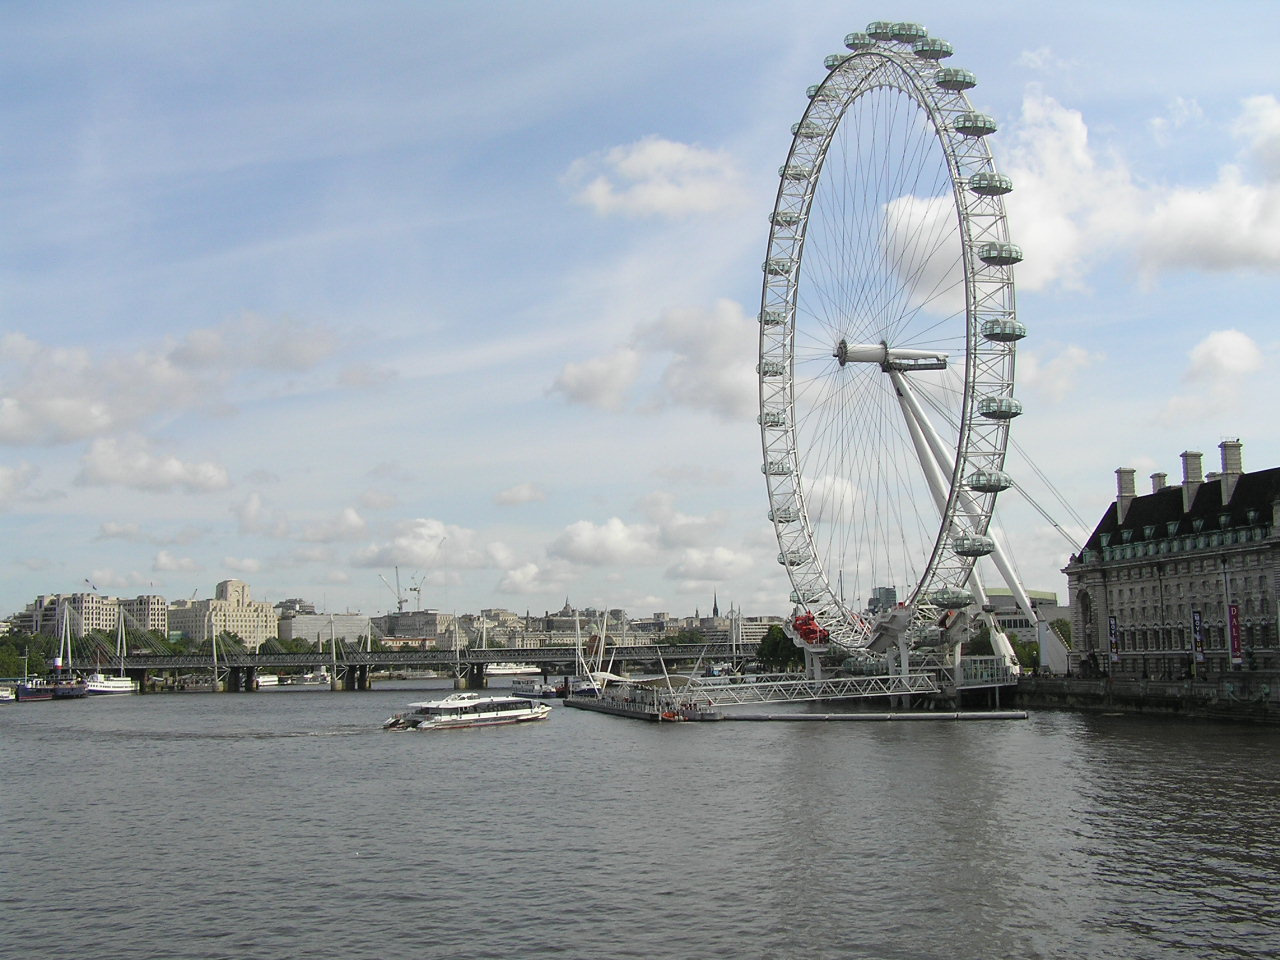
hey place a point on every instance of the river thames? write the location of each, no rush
(286, 824)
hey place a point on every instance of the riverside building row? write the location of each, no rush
(232, 610)
(1182, 581)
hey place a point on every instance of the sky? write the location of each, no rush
(329, 296)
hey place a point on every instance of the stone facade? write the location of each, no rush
(1182, 581)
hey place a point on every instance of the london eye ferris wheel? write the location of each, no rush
(887, 338)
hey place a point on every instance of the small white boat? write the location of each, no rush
(510, 669)
(268, 680)
(99, 684)
(467, 710)
(7, 694)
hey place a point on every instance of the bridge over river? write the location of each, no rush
(350, 667)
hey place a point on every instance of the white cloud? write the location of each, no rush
(1223, 357)
(611, 542)
(520, 493)
(110, 530)
(718, 564)
(63, 394)
(425, 543)
(166, 562)
(1181, 112)
(347, 525)
(1044, 60)
(712, 358)
(254, 516)
(658, 177)
(1218, 372)
(1070, 209)
(242, 564)
(14, 482)
(530, 578)
(1053, 378)
(676, 529)
(601, 382)
(128, 462)
(108, 579)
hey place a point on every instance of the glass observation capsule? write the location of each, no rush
(772, 318)
(785, 515)
(779, 266)
(974, 124)
(808, 130)
(990, 184)
(932, 48)
(859, 41)
(880, 30)
(999, 253)
(972, 545)
(795, 171)
(951, 598)
(771, 368)
(951, 78)
(999, 408)
(776, 468)
(772, 418)
(909, 32)
(1003, 329)
(989, 481)
(834, 60)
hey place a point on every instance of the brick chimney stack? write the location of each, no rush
(1125, 491)
(1192, 477)
(1232, 467)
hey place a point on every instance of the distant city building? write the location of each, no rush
(286, 607)
(1011, 619)
(317, 629)
(230, 611)
(882, 598)
(422, 627)
(92, 611)
(1184, 578)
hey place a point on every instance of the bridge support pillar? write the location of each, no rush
(235, 680)
(470, 677)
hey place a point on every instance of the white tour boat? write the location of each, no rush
(99, 684)
(467, 710)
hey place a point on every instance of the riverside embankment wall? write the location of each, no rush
(1252, 696)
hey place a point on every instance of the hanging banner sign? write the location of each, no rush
(1114, 636)
(1197, 635)
(1233, 622)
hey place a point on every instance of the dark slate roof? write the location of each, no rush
(1253, 492)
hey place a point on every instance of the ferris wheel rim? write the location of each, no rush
(891, 62)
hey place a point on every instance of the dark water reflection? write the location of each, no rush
(284, 824)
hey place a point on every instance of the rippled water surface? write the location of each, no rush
(286, 824)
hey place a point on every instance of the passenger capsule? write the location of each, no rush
(771, 368)
(999, 408)
(808, 130)
(834, 60)
(772, 318)
(909, 32)
(932, 48)
(807, 597)
(950, 78)
(880, 30)
(999, 253)
(771, 418)
(779, 266)
(1003, 330)
(816, 92)
(785, 218)
(785, 515)
(776, 468)
(972, 545)
(795, 558)
(795, 171)
(990, 184)
(859, 41)
(951, 598)
(989, 481)
(974, 124)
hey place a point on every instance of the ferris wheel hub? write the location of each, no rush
(890, 358)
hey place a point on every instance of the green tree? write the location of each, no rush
(688, 636)
(777, 652)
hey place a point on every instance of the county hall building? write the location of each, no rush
(1181, 581)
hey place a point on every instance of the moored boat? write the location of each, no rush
(99, 684)
(533, 688)
(33, 688)
(460, 710)
(7, 695)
